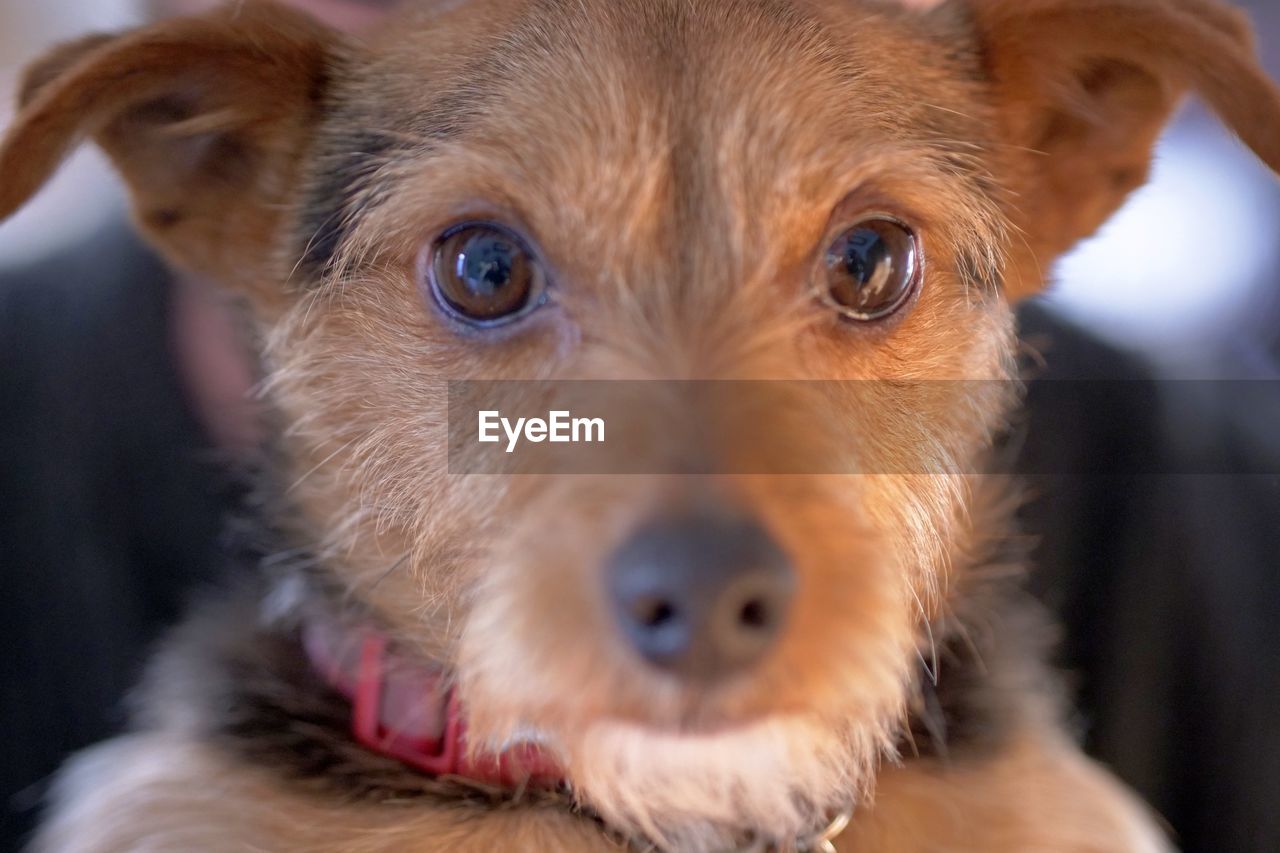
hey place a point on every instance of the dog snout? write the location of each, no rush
(701, 596)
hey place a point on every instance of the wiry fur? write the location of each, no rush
(679, 167)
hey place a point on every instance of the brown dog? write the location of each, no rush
(642, 190)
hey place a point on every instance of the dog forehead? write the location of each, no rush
(612, 116)
(543, 62)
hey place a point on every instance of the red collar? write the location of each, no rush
(407, 710)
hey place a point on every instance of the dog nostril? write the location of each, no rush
(655, 613)
(754, 614)
(701, 597)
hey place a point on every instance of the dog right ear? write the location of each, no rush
(206, 119)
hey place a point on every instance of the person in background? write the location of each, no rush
(124, 402)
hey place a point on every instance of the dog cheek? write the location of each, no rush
(366, 469)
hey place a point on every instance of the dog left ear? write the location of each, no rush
(206, 119)
(1083, 89)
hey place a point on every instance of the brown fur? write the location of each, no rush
(679, 164)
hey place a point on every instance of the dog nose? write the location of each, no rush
(701, 596)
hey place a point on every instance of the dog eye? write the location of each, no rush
(870, 270)
(484, 274)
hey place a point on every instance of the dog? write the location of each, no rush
(840, 198)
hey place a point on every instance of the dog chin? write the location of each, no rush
(780, 778)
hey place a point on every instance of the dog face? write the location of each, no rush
(748, 189)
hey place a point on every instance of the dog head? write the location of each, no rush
(746, 189)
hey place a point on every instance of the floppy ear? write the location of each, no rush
(1082, 90)
(205, 118)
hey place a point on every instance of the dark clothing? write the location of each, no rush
(1166, 579)
(110, 504)
(111, 507)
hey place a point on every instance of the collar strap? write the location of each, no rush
(409, 711)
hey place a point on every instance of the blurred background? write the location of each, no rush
(122, 386)
(85, 196)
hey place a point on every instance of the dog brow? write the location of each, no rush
(342, 187)
(347, 182)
